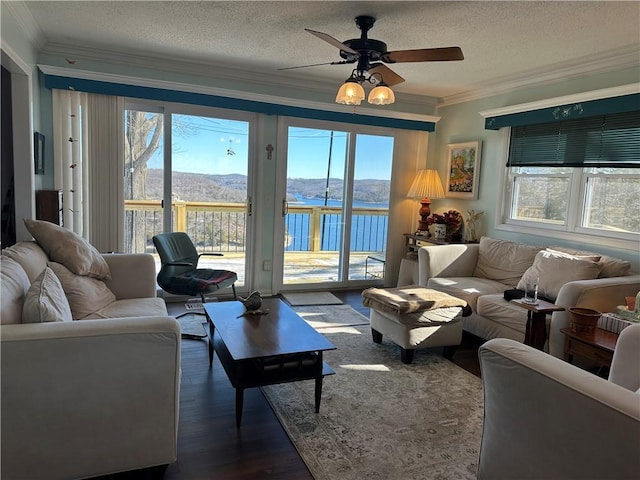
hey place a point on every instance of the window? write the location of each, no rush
(579, 176)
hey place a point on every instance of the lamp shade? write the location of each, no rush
(350, 93)
(381, 95)
(427, 184)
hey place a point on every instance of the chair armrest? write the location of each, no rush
(625, 366)
(457, 260)
(539, 407)
(87, 398)
(602, 294)
(133, 275)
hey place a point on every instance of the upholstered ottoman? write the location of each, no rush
(415, 317)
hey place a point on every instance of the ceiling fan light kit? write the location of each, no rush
(365, 52)
(350, 93)
(381, 95)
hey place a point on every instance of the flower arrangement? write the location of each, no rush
(447, 218)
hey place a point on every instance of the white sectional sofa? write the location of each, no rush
(91, 396)
(480, 274)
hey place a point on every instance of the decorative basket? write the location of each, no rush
(584, 320)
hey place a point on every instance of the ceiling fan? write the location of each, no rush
(368, 53)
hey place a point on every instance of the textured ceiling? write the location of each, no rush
(502, 41)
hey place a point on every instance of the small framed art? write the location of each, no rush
(38, 153)
(463, 170)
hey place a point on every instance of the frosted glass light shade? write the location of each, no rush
(350, 93)
(381, 95)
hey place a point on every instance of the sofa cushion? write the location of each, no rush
(466, 288)
(611, 267)
(45, 301)
(503, 260)
(30, 256)
(499, 310)
(71, 250)
(85, 294)
(131, 307)
(551, 271)
(14, 284)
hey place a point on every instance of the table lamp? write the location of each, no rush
(425, 186)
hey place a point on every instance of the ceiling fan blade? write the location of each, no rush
(389, 77)
(316, 65)
(424, 55)
(336, 43)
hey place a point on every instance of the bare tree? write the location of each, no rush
(143, 132)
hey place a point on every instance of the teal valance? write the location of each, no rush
(168, 95)
(591, 108)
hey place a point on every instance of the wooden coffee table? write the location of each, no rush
(258, 350)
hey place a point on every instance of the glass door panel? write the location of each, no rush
(143, 178)
(370, 207)
(313, 223)
(209, 185)
(336, 207)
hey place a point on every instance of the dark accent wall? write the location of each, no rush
(7, 196)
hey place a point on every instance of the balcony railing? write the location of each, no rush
(221, 227)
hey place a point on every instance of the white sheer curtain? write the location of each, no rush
(88, 165)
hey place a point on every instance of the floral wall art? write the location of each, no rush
(463, 170)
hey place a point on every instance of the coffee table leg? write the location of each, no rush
(318, 392)
(239, 404)
(211, 332)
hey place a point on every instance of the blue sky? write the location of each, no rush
(219, 146)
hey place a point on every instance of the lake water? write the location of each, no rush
(368, 232)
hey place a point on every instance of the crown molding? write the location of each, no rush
(603, 63)
(564, 100)
(223, 92)
(218, 71)
(26, 22)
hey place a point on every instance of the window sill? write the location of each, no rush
(587, 239)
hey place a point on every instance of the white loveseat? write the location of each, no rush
(547, 419)
(480, 274)
(89, 397)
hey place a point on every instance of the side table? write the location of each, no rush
(536, 333)
(598, 347)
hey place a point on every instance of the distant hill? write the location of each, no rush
(232, 188)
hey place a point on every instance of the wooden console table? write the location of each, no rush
(598, 347)
(536, 333)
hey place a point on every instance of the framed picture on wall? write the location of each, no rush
(463, 170)
(38, 153)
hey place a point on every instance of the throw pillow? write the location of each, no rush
(611, 266)
(504, 261)
(551, 271)
(45, 300)
(66, 247)
(85, 294)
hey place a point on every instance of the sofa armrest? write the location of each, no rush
(133, 275)
(88, 398)
(539, 407)
(602, 294)
(456, 260)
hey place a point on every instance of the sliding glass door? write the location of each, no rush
(335, 206)
(200, 185)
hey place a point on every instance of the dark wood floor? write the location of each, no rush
(210, 446)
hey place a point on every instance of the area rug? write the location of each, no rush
(311, 298)
(192, 326)
(326, 316)
(382, 419)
